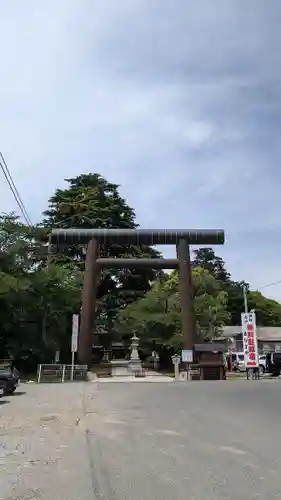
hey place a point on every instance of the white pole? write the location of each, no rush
(245, 299)
(72, 365)
(63, 373)
(39, 374)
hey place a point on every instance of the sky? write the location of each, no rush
(179, 102)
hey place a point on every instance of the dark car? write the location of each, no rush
(3, 384)
(273, 363)
(9, 379)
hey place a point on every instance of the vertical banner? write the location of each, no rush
(75, 329)
(250, 343)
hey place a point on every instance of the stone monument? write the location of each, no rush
(128, 367)
(135, 363)
(120, 368)
(176, 359)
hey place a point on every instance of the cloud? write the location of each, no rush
(177, 102)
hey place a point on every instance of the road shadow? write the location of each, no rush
(17, 393)
(4, 402)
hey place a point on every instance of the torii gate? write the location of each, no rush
(94, 238)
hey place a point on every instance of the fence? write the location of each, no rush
(61, 373)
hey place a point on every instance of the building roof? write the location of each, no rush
(264, 333)
(209, 347)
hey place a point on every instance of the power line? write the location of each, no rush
(270, 284)
(13, 188)
(8, 176)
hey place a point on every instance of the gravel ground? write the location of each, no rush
(42, 447)
(195, 441)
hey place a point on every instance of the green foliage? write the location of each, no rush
(91, 201)
(268, 312)
(207, 259)
(218, 301)
(39, 296)
(157, 315)
(35, 301)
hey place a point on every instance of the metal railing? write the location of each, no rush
(61, 373)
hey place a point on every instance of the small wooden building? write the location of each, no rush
(209, 361)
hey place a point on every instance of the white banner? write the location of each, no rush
(75, 329)
(250, 343)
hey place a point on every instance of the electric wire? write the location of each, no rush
(270, 284)
(8, 176)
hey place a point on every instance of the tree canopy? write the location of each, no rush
(91, 201)
(157, 315)
(39, 296)
(268, 311)
(36, 302)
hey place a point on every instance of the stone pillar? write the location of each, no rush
(176, 359)
(91, 275)
(186, 295)
(135, 362)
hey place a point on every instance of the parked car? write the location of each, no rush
(2, 388)
(9, 379)
(262, 363)
(238, 362)
(237, 359)
(273, 363)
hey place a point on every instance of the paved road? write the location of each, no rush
(198, 441)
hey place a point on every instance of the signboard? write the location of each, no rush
(187, 355)
(75, 329)
(250, 344)
(278, 348)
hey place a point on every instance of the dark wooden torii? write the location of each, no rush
(94, 238)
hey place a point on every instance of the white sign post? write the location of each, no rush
(74, 341)
(250, 343)
(187, 358)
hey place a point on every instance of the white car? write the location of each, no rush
(238, 360)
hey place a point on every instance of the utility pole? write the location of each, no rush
(245, 299)
(45, 316)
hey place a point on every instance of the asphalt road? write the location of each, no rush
(195, 441)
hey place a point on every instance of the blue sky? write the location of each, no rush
(179, 102)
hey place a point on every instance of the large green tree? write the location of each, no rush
(90, 201)
(215, 265)
(268, 312)
(207, 259)
(157, 315)
(36, 302)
